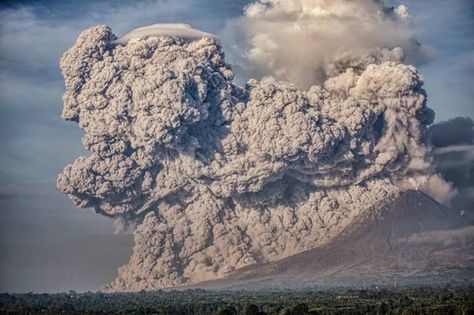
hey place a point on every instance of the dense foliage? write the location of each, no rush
(423, 300)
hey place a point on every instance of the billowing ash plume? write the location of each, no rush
(453, 151)
(305, 41)
(218, 176)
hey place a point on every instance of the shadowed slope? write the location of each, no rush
(413, 239)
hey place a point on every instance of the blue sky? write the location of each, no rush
(46, 243)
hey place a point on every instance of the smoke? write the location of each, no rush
(305, 41)
(453, 151)
(462, 236)
(216, 176)
(454, 132)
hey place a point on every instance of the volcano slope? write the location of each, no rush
(412, 240)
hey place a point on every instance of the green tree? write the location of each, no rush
(252, 309)
(300, 309)
(383, 308)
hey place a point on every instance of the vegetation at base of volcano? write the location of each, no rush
(423, 300)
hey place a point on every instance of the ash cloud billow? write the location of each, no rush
(217, 176)
(306, 41)
(453, 151)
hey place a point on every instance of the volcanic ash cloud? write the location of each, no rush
(305, 41)
(216, 176)
(453, 151)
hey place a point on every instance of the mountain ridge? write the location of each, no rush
(412, 239)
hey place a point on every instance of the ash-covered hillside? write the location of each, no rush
(412, 240)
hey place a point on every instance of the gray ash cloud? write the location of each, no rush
(217, 176)
(453, 151)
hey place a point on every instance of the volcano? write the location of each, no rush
(411, 240)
